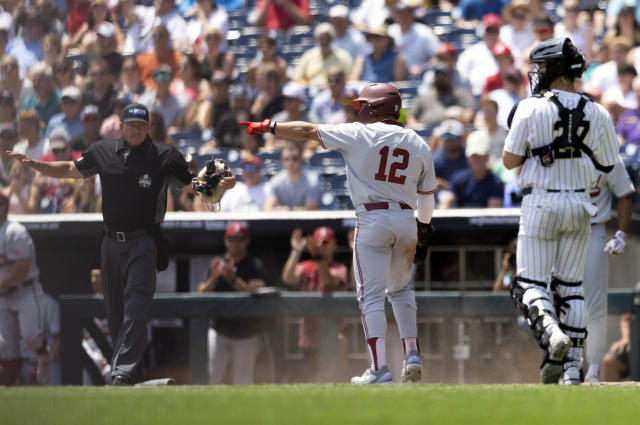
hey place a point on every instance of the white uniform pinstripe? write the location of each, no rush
(385, 163)
(596, 276)
(555, 227)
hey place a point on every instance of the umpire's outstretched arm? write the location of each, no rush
(56, 169)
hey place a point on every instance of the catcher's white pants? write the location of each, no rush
(553, 236)
(241, 352)
(596, 278)
(384, 246)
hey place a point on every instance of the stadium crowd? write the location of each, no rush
(69, 67)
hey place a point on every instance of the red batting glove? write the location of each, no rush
(257, 128)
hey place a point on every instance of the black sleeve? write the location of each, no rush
(86, 164)
(178, 169)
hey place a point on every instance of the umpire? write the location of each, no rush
(134, 173)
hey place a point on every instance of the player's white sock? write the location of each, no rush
(593, 370)
(410, 344)
(377, 351)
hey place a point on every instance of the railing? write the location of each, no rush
(199, 308)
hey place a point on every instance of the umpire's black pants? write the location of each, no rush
(129, 281)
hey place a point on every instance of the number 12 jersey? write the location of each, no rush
(385, 161)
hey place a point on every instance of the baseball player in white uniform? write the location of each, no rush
(561, 138)
(20, 297)
(596, 271)
(389, 174)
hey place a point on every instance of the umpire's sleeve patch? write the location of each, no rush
(85, 167)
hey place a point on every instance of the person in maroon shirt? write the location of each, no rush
(282, 14)
(320, 273)
(505, 61)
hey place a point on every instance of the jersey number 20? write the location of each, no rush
(401, 164)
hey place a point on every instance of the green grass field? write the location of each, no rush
(323, 404)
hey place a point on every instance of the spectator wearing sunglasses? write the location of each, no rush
(69, 119)
(250, 193)
(161, 100)
(100, 89)
(295, 187)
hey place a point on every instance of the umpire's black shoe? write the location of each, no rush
(121, 381)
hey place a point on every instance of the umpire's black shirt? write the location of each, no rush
(134, 180)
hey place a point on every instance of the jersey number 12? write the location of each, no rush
(401, 164)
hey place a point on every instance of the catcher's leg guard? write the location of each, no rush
(569, 304)
(533, 301)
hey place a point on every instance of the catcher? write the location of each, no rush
(134, 173)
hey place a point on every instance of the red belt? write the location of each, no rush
(384, 206)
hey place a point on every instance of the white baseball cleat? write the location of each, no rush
(571, 376)
(412, 367)
(381, 376)
(559, 345)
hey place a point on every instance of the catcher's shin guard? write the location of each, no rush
(569, 304)
(533, 301)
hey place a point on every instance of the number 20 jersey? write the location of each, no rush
(385, 161)
(537, 123)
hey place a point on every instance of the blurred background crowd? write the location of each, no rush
(200, 66)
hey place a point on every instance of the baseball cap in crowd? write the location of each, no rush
(6, 98)
(477, 143)
(501, 49)
(58, 139)
(491, 20)
(135, 112)
(446, 48)
(250, 163)
(325, 235)
(451, 129)
(163, 73)
(236, 228)
(339, 11)
(71, 92)
(294, 90)
(106, 29)
(89, 110)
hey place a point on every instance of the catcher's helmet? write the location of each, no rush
(559, 57)
(381, 98)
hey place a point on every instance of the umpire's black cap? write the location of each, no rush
(135, 112)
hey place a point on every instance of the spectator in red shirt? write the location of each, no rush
(282, 14)
(320, 273)
(505, 61)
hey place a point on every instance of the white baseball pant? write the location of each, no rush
(384, 247)
(21, 317)
(596, 279)
(240, 352)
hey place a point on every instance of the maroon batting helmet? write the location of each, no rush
(381, 98)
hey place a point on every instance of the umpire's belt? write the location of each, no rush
(529, 190)
(384, 206)
(126, 236)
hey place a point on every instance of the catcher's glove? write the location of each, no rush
(206, 183)
(422, 247)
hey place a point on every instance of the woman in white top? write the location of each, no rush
(517, 33)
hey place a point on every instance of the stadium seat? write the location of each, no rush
(328, 158)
